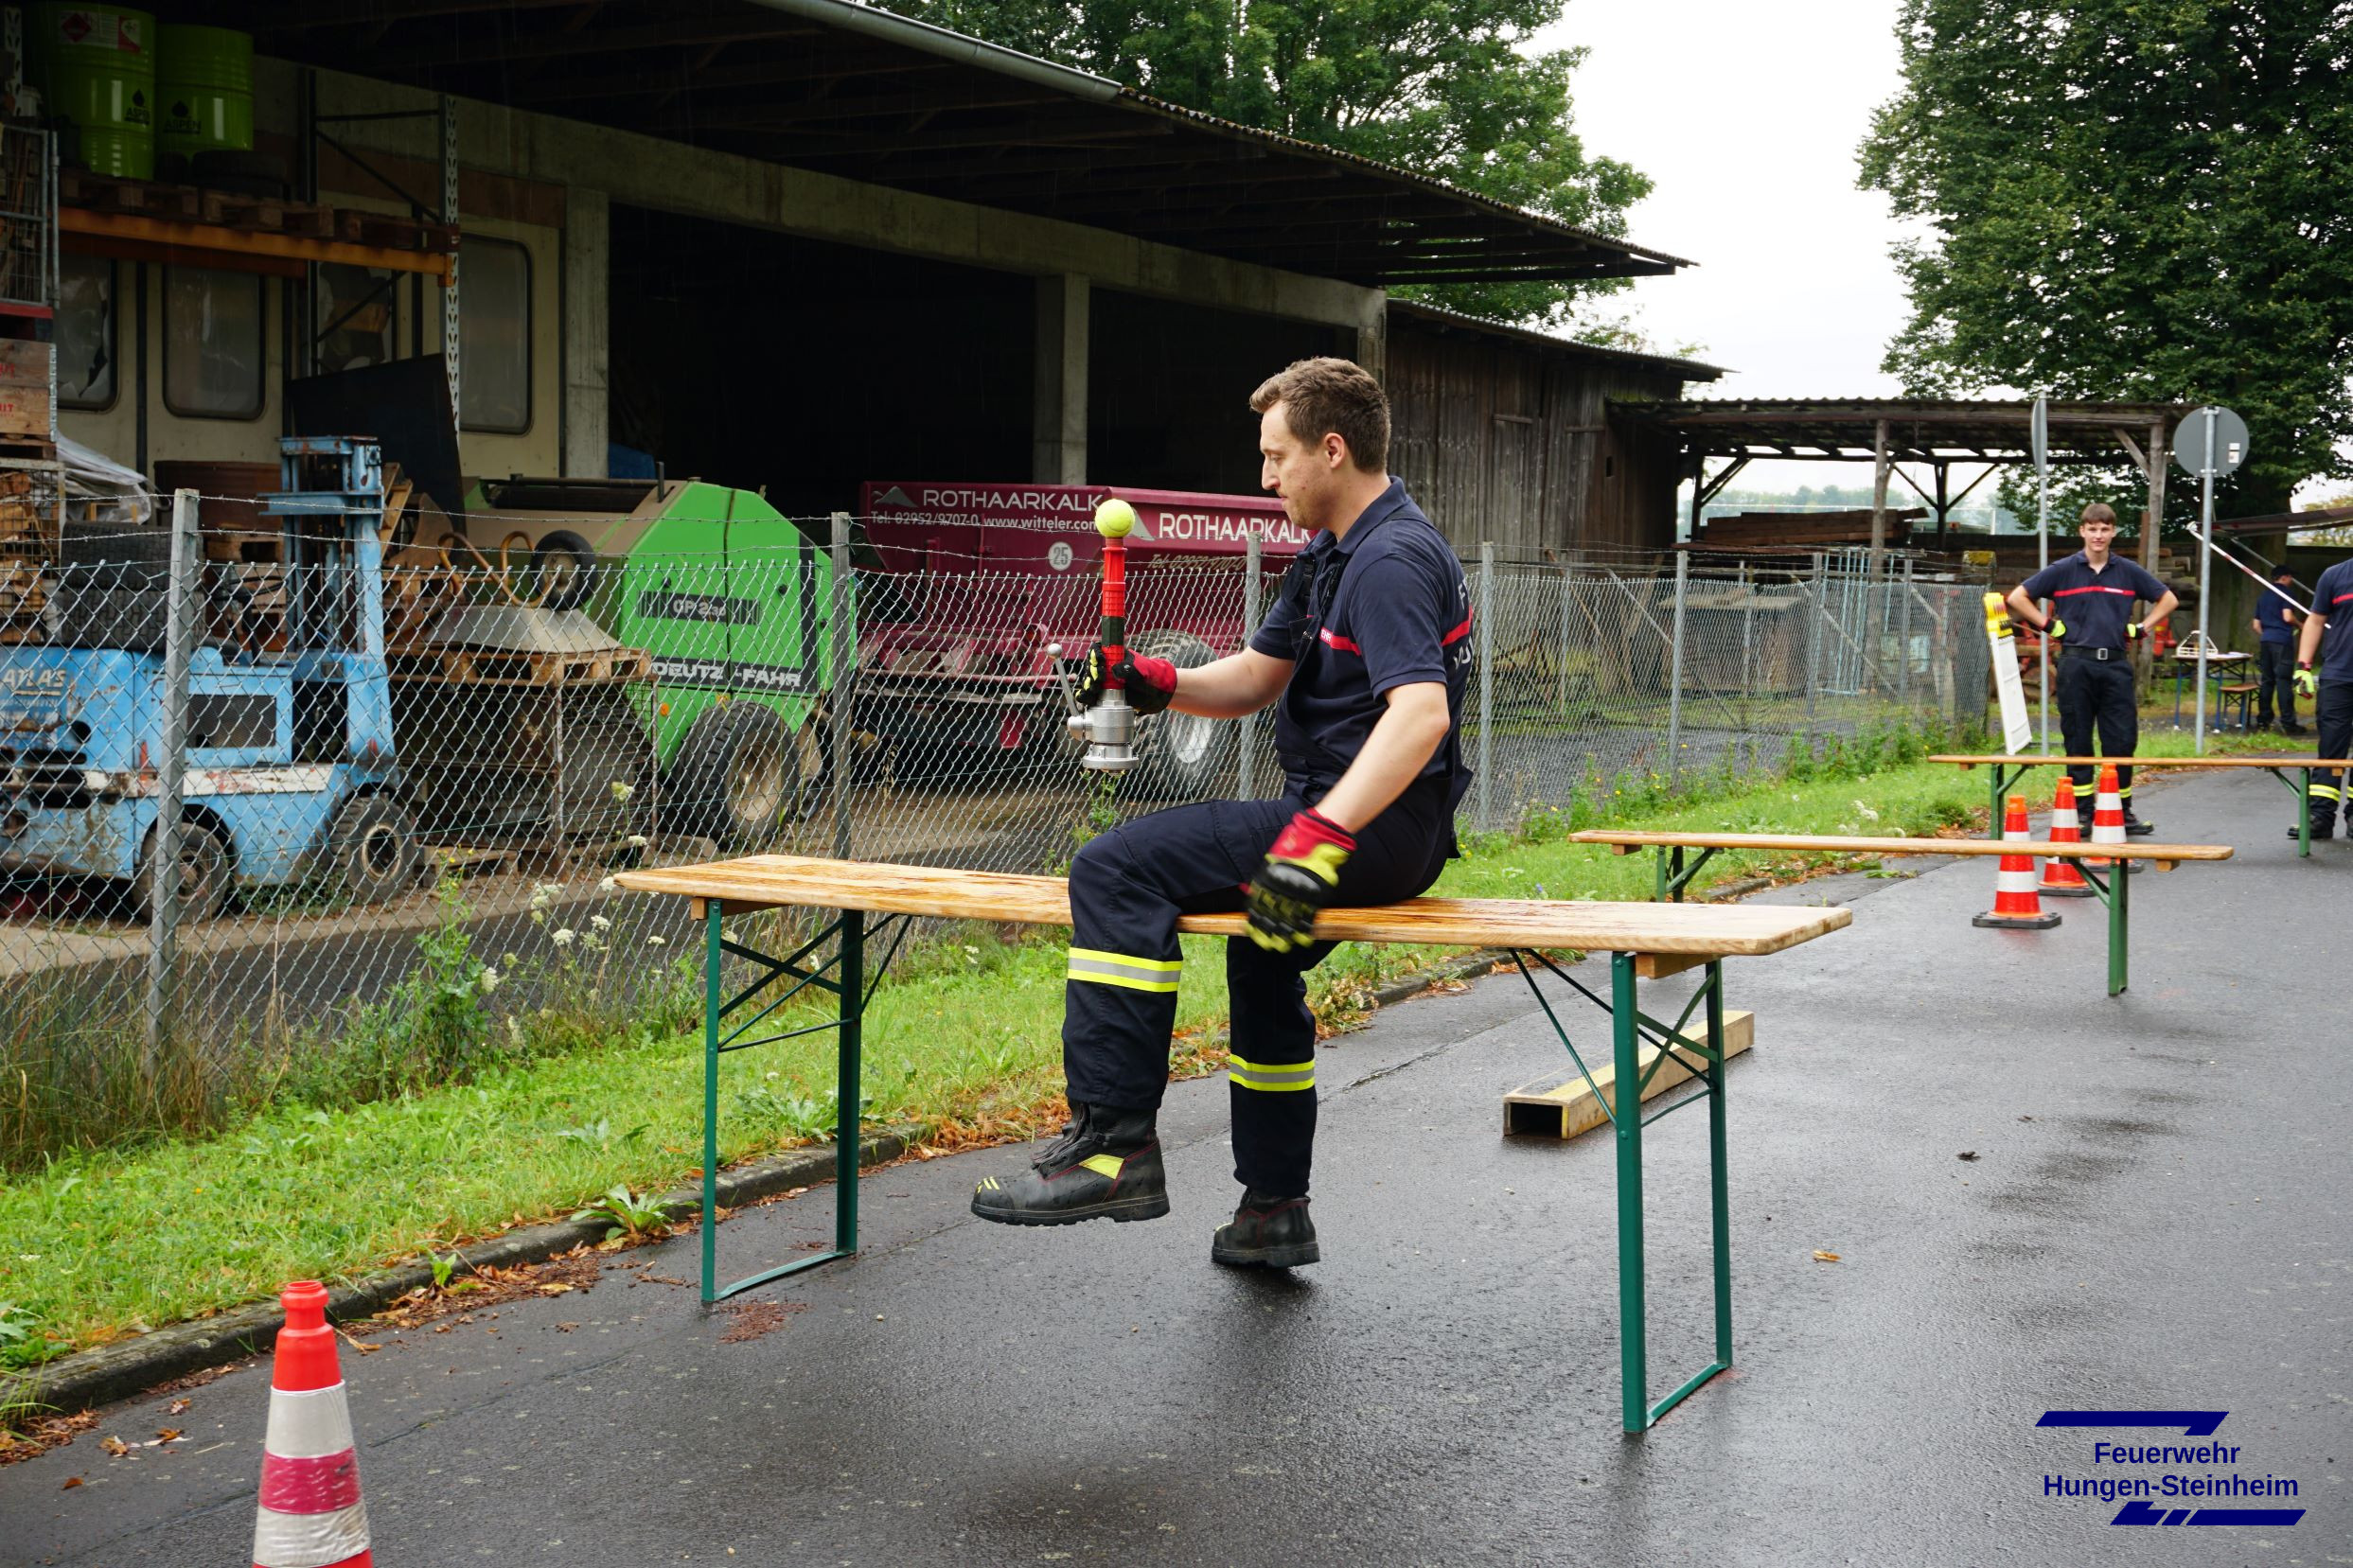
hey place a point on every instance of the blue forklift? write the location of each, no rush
(292, 770)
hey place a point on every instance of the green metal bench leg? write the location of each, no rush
(850, 986)
(2303, 817)
(713, 1010)
(1634, 1350)
(1634, 1327)
(847, 1099)
(1720, 1179)
(2119, 933)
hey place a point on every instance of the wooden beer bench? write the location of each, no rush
(2007, 770)
(1644, 941)
(1675, 873)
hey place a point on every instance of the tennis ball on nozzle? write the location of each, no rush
(1114, 518)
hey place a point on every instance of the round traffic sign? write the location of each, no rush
(2229, 448)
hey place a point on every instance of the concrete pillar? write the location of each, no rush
(587, 292)
(1058, 413)
(1372, 336)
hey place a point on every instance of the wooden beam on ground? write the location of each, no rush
(1563, 1105)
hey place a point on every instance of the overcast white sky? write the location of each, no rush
(1746, 117)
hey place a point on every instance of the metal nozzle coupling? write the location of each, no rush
(1110, 730)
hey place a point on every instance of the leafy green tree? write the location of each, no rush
(1440, 88)
(2132, 199)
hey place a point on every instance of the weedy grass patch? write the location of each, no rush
(964, 1040)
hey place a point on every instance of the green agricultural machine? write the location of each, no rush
(731, 601)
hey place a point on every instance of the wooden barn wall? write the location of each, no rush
(1513, 445)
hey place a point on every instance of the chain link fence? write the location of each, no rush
(299, 811)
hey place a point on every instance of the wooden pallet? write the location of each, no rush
(520, 667)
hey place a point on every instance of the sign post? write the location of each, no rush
(2211, 442)
(2041, 439)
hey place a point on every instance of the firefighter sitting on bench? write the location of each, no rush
(1365, 654)
(2091, 594)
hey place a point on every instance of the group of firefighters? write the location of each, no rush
(1364, 658)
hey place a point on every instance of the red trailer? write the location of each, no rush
(975, 581)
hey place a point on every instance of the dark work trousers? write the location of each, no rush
(1127, 887)
(2093, 693)
(2275, 671)
(2335, 716)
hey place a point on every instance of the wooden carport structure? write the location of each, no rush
(1938, 431)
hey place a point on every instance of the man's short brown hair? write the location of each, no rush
(1327, 396)
(2099, 511)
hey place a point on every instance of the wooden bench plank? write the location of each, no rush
(1628, 841)
(1969, 762)
(775, 881)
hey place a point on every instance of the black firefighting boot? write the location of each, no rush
(2133, 825)
(1266, 1232)
(1107, 1163)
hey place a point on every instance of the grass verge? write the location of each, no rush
(964, 1043)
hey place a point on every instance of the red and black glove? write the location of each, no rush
(1149, 683)
(1301, 876)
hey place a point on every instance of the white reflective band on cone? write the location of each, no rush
(308, 1540)
(308, 1424)
(2013, 882)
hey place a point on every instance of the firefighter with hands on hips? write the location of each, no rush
(2093, 593)
(2325, 674)
(1364, 656)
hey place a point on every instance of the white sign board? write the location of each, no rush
(2017, 729)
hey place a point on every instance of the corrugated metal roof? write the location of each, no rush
(1415, 311)
(873, 96)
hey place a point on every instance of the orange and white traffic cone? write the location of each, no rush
(310, 1514)
(2108, 819)
(2015, 906)
(2064, 878)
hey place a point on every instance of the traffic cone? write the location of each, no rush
(2015, 906)
(2108, 819)
(2064, 878)
(311, 1515)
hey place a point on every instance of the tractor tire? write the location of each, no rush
(730, 783)
(1181, 756)
(600, 751)
(563, 570)
(372, 852)
(207, 874)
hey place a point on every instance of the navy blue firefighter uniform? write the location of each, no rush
(2094, 686)
(2333, 598)
(1383, 605)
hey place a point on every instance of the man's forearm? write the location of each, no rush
(2308, 646)
(1229, 687)
(2021, 609)
(2157, 617)
(1404, 740)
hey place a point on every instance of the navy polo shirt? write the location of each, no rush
(1385, 607)
(2095, 604)
(2273, 614)
(2334, 599)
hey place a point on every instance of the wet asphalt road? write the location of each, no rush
(2156, 1218)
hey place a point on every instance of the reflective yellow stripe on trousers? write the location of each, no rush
(1271, 1075)
(1123, 969)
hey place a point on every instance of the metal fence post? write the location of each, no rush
(1246, 769)
(183, 623)
(1486, 682)
(1567, 589)
(1675, 672)
(844, 612)
(1818, 602)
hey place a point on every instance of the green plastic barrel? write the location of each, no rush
(204, 89)
(96, 67)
